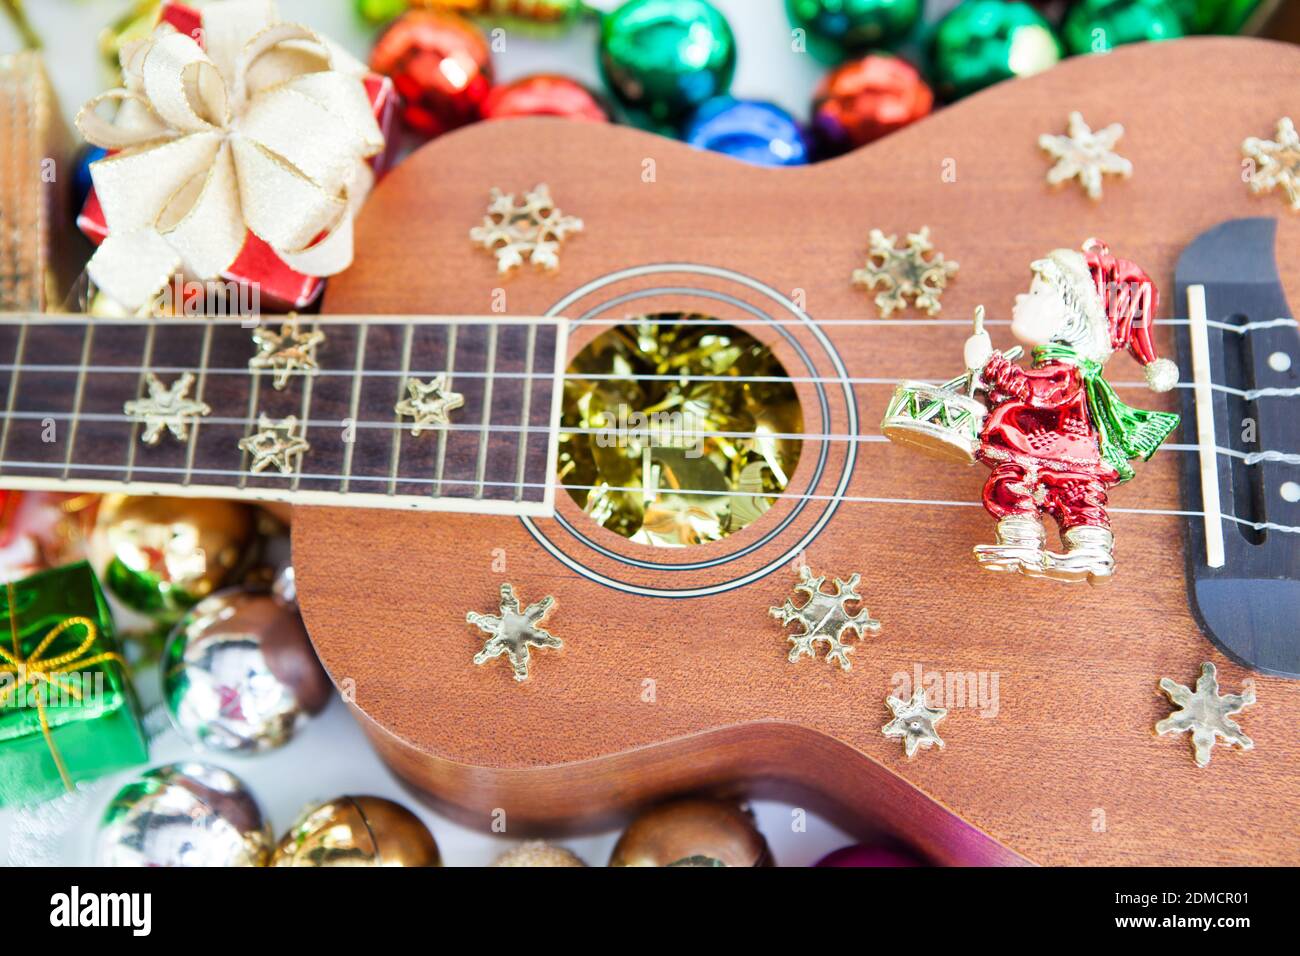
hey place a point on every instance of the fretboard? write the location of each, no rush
(66, 382)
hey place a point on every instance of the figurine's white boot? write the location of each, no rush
(1019, 546)
(1089, 556)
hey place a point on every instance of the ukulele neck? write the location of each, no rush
(195, 406)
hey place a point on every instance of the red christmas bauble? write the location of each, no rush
(864, 99)
(864, 855)
(544, 94)
(442, 66)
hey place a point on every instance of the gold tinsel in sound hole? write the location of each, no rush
(631, 454)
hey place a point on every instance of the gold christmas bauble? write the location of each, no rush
(357, 831)
(693, 832)
(537, 853)
(160, 556)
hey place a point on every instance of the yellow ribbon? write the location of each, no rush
(39, 672)
(265, 128)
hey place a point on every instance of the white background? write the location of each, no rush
(331, 757)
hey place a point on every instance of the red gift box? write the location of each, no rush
(280, 287)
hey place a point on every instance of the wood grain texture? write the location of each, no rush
(1069, 769)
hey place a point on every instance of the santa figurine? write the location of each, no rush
(1056, 436)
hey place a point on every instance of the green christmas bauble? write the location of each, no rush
(1095, 26)
(1195, 16)
(1231, 15)
(662, 58)
(380, 11)
(839, 29)
(1214, 16)
(983, 42)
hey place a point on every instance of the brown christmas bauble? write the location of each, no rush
(544, 94)
(537, 853)
(441, 65)
(357, 831)
(865, 99)
(692, 832)
(160, 556)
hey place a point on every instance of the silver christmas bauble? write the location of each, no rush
(239, 673)
(183, 814)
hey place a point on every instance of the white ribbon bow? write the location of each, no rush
(267, 131)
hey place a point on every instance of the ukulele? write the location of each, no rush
(673, 674)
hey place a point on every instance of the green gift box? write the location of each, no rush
(68, 711)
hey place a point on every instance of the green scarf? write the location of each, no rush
(1124, 432)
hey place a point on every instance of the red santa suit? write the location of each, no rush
(1041, 436)
(1041, 444)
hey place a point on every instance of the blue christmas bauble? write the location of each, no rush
(81, 182)
(750, 130)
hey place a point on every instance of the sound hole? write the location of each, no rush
(671, 432)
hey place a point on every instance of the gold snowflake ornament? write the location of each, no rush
(1277, 163)
(287, 352)
(513, 632)
(1085, 155)
(531, 228)
(825, 618)
(914, 722)
(914, 272)
(430, 406)
(278, 445)
(1205, 714)
(166, 408)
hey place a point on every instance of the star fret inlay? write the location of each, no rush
(277, 445)
(429, 405)
(286, 352)
(166, 409)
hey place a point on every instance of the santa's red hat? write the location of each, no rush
(1130, 299)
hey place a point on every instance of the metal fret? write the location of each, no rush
(87, 344)
(525, 415)
(354, 405)
(487, 410)
(198, 396)
(408, 337)
(442, 434)
(19, 349)
(254, 393)
(146, 358)
(305, 418)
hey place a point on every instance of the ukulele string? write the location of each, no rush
(806, 321)
(1247, 394)
(558, 485)
(1242, 329)
(630, 434)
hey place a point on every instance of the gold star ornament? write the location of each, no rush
(913, 271)
(1085, 155)
(531, 228)
(278, 445)
(826, 618)
(1277, 163)
(286, 353)
(166, 409)
(914, 722)
(513, 632)
(430, 405)
(1205, 714)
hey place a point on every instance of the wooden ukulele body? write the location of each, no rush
(673, 675)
